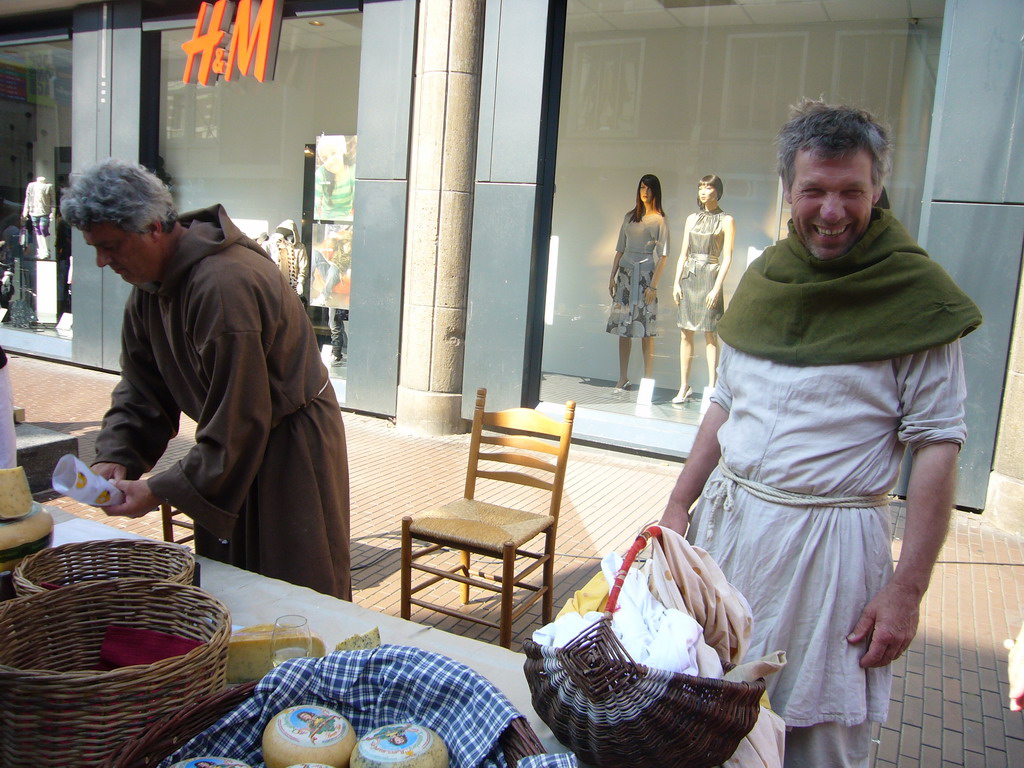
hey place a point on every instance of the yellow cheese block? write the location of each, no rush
(249, 652)
(15, 495)
(403, 745)
(361, 642)
(24, 536)
(308, 733)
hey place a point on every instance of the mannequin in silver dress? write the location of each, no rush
(704, 262)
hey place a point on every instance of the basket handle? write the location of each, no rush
(627, 562)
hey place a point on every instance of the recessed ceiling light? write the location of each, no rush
(316, 23)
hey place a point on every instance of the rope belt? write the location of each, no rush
(792, 499)
(720, 494)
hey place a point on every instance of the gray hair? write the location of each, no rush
(833, 131)
(119, 193)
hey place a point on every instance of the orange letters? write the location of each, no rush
(254, 41)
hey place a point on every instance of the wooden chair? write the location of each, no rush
(471, 526)
(170, 521)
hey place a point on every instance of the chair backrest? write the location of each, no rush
(519, 429)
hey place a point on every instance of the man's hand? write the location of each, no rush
(138, 499)
(110, 470)
(889, 623)
(889, 620)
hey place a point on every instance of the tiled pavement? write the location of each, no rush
(948, 701)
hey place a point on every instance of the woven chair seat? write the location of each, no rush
(480, 525)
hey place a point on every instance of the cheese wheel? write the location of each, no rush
(24, 536)
(209, 761)
(15, 495)
(309, 765)
(403, 744)
(249, 652)
(308, 734)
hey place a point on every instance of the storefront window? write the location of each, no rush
(682, 91)
(35, 126)
(279, 156)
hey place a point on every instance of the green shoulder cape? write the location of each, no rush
(883, 299)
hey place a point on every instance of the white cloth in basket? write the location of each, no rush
(659, 637)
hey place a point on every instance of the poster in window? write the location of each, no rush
(331, 273)
(335, 178)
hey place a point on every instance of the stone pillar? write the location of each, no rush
(1005, 504)
(441, 179)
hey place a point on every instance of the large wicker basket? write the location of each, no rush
(105, 559)
(164, 738)
(613, 712)
(57, 709)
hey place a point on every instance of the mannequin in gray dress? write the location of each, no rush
(704, 262)
(640, 256)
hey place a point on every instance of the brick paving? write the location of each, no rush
(948, 700)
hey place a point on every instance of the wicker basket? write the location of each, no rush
(57, 709)
(611, 711)
(164, 738)
(105, 559)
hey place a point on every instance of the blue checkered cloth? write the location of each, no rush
(390, 684)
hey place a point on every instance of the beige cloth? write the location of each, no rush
(685, 577)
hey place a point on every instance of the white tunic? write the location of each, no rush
(833, 430)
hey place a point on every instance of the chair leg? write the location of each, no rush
(547, 606)
(165, 520)
(406, 606)
(464, 588)
(508, 577)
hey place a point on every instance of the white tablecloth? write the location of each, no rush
(255, 599)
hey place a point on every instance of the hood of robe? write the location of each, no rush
(208, 231)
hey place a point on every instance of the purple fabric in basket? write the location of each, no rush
(390, 684)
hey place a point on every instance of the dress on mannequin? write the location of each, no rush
(704, 254)
(642, 243)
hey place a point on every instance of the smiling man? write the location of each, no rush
(841, 350)
(213, 329)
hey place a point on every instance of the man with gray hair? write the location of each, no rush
(841, 350)
(213, 329)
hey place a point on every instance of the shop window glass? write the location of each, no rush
(35, 136)
(260, 149)
(682, 90)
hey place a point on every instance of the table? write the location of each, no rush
(256, 599)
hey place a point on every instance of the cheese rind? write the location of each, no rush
(402, 745)
(249, 652)
(15, 495)
(308, 733)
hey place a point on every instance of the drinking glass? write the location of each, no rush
(291, 639)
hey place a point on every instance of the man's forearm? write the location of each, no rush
(930, 494)
(698, 467)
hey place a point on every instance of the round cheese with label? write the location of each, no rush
(24, 536)
(208, 761)
(308, 734)
(403, 744)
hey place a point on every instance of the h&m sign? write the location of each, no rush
(250, 49)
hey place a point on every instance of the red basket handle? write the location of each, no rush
(627, 562)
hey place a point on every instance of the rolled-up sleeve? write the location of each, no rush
(932, 394)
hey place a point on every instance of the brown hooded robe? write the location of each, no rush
(224, 339)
